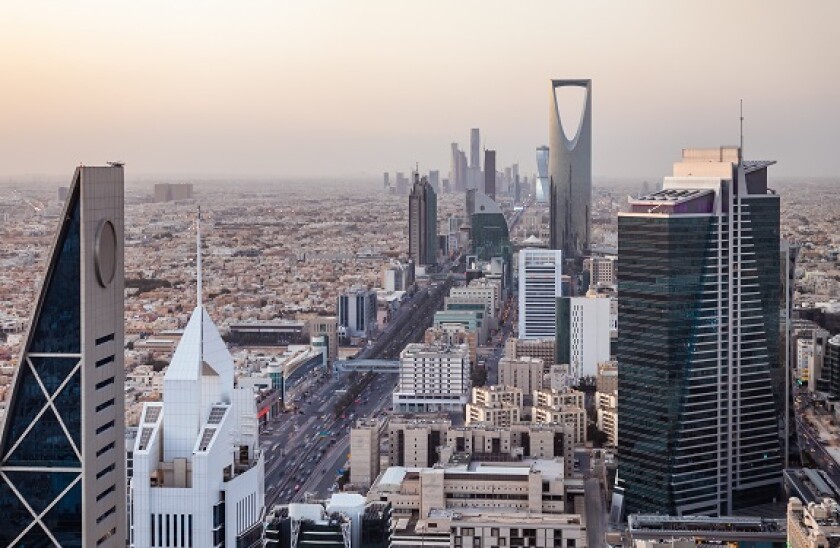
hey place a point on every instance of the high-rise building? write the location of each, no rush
(432, 378)
(540, 271)
(364, 453)
(700, 384)
(386, 182)
(475, 148)
(401, 184)
(490, 173)
(169, 192)
(454, 179)
(570, 173)
(198, 471)
(62, 445)
(463, 169)
(434, 180)
(583, 333)
(422, 222)
(357, 312)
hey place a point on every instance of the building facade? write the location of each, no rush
(357, 312)
(422, 222)
(62, 444)
(432, 378)
(540, 272)
(583, 334)
(542, 187)
(700, 387)
(570, 172)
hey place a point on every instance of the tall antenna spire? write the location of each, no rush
(198, 302)
(741, 148)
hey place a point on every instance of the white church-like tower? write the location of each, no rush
(198, 472)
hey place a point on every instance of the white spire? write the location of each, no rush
(198, 302)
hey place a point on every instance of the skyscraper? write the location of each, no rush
(700, 382)
(62, 445)
(540, 271)
(454, 173)
(422, 222)
(570, 173)
(583, 334)
(434, 180)
(198, 470)
(543, 188)
(490, 173)
(475, 148)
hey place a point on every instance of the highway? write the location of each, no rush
(304, 450)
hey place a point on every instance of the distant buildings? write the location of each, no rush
(62, 444)
(475, 148)
(490, 173)
(432, 378)
(171, 192)
(570, 172)
(699, 291)
(422, 223)
(543, 182)
(540, 273)
(357, 312)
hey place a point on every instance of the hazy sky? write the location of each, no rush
(310, 88)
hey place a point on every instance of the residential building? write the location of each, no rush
(562, 407)
(495, 405)
(606, 415)
(570, 172)
(414, 441)
(432, 378)
(699, 298)
(813, 525)
(62, 443)
(540, 273)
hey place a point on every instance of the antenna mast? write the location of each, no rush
(198, 302)
(741, 148)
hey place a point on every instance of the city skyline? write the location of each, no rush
(347, 63)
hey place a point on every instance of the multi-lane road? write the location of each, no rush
(305, 450)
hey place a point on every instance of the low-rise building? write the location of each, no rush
(432, 378)
(525, 373)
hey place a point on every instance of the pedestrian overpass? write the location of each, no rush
(365, 366)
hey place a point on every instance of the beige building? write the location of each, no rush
(414, 441)
(364, 453)
(535, 486)
(525, 373)
(535, 348)
(607, 378)
(326, 326)
(563, 407)
(815, 525)
(496, 405)
(476, 527)
(606, 409)
(424, 442)
(453, 334)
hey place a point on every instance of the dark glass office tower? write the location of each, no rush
(62, 455)
(700, 384)
(422, 222)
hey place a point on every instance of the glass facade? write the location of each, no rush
(39, 436)
(698, 329)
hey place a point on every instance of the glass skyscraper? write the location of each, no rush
(422, 222)
(62, 456)
(700, 383)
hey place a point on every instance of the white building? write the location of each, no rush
(198, 473)
(539, 286)
(583, 333)
(433, 378)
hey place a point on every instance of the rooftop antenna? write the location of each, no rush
(198, 257)
(741, 148)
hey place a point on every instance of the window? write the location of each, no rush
(105, 405)
(107, 513)
(105, 449)
(105, 361)
(107, 382)
(109, 468)
(104, 493)
(104, 427)
(103, 340)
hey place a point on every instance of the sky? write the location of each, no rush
(352, 88)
